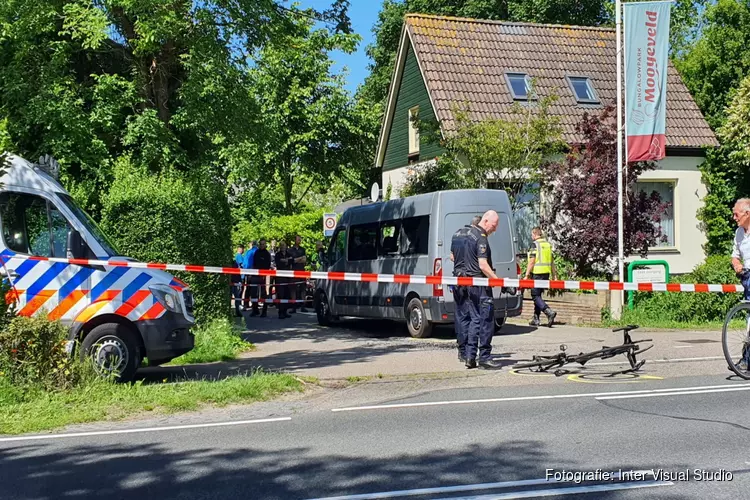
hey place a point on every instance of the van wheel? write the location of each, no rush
(499, 323)
(114, 350)
(322, 309)
(416, 320)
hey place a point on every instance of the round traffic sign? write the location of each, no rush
(330, 223)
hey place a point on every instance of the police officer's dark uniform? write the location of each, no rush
(284, 261)
(261, 260)
(474, 304)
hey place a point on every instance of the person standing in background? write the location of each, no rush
(541, 265)
(283, 263)
(248, 264)
(259, 292)
(300, 260)
(239, 259)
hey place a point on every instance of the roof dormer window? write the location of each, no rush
(519, 85)
(583, 90)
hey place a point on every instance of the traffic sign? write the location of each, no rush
(329, 224)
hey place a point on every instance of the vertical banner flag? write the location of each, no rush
(646, 48)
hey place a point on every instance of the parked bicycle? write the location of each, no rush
(630, 348)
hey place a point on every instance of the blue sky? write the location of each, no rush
(364, 14)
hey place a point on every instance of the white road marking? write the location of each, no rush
(574, 490)
(465, 487)
(536, 398)
(680, 393)
(683, 346)
(669, 360)
(144, 429)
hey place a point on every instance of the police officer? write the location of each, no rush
(259, 290)
(540, 267)
(470, 252)
(462, 321)
(284, 262)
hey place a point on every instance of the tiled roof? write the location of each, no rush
(465, 60)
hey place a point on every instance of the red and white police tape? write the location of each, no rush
(405, 278)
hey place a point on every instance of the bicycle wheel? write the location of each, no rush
(735, 339)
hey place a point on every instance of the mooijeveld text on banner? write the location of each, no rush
(646, 51)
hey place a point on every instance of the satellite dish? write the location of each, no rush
(375, 192)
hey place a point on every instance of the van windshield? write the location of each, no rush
(91, 226)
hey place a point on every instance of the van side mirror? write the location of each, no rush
(75, 245)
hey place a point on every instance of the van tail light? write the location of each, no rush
(437, 270)
(518, 270)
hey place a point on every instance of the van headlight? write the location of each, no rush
(167, 296)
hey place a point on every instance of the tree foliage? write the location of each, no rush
(580, 202)
(308, 126)
(726, 173)
(166, 83)
(715, 64)
(509, 153)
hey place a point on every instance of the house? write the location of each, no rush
(444, 61)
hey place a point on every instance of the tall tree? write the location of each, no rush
(308, 125)
(579, 210)
(727, 173)
(715, 64)
(163, 81)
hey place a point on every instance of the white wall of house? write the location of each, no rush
(684, 251)
(397, 177)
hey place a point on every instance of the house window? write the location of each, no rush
(667, 222)
(414, 130)
(519, 86)
(583, 90)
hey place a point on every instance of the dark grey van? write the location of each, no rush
(413, 236)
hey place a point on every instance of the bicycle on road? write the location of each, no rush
(630, 348)
(735, 339)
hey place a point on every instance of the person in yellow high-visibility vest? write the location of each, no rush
(541, 266)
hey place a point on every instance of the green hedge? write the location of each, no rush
(309, 225)
(175, 218)
(693, 307)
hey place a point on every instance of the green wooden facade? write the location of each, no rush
(411, 92)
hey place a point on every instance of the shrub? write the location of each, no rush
(693, 307)
(33, 355)
(175, 218)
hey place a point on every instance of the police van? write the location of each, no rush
(118, 315)
(413, 236)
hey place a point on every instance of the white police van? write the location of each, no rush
(119, 315)
(413, 236)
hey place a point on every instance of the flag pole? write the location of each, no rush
(618, 27)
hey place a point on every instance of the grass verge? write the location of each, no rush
(645, 319)
(218, 340)
(96, 400)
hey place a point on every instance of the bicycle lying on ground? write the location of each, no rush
(735, 339)
(630, 348)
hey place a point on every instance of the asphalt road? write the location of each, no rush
(372, 441)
